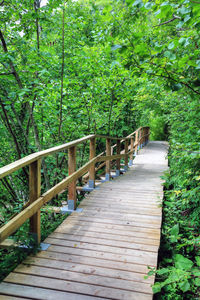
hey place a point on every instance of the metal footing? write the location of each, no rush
(70, 208)
(125, 168)
(107, 177)
(70, 204)
(130, 162)
(44, 246)
(117, 173)
(91, 184)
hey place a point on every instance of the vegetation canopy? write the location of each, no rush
(74, 68)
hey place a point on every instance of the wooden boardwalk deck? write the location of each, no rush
(103, 252)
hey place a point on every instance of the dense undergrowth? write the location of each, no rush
(178, 276)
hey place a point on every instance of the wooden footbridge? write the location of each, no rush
(103, 249)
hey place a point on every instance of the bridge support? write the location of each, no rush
(72, 186)
(118, 160)
(108, 153)
(34, 194)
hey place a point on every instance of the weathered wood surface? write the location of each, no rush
(103, 252)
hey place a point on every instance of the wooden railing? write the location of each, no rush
(36, 200)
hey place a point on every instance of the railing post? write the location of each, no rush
(148, 132)
(146, 137)
(34, 194)
(108, 153)
(139, 137)
(92, 168)
(131, 155)
(126, 157)
(72, 186)
(118, 160)
(136, 142)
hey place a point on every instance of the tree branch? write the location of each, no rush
(10, 73)
(169, 21)
(171, 78)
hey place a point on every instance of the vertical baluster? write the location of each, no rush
(139, 138)
(72, 186)
(142, 137)
(149, 131)
(34, 194)
(108, 153)
(136, 142)
(131, 155)
(118, 160)
(146, 137)
(92, 168)
(126, 157)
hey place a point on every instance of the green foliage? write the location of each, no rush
(125, 64)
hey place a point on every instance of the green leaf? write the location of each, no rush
(182, 262)
(197, 282)
(197, 258)
(187, 18)
(175, 230)
(196, 271)
(163, 271)
(171, 46)
(198, 64)
(170, 55)
(115, 47)
(184, 286)
(184, 10)
(138, 2)
(156, 288)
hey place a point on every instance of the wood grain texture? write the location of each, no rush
(103, 252)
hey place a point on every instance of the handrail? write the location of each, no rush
(36, 201)
(27, 160)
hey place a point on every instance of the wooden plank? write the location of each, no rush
(115, 202)
(105, 252)
(121, 266)
(3, 297)
(39, 293)
(101, 207)
(88, 269)
(75, 234)
(116, 215)
(140, 232)
(74, 287)
(126, 223)
(90, 279)
(121, 228)
(135, 250)
(107, 242)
